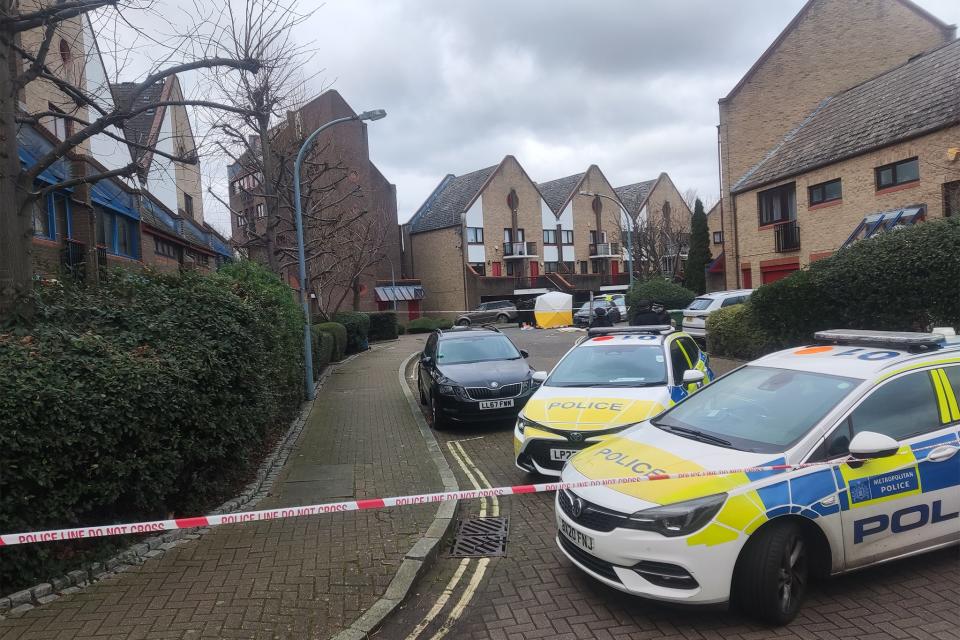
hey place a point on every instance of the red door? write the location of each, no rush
(747, 277)
(614, 267)
(495, 269)
(413, 309)
(534, 272)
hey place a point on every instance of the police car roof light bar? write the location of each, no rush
(908, 340)
(656, 329)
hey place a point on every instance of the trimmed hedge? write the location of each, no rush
(358, 329)
(401, 329)
(323, 346)
(733, 332)
(663, 292)
(903, 280)
(427, 325)
(148, 395)
(339, 333)
(383, 325)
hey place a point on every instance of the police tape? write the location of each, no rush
(213, 520)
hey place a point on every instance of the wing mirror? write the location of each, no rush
(539, 376)
(425, 359)
(694, 376)
(869, 445)
(524, 353)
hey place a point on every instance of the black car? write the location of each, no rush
(469, 374)
(582, 317)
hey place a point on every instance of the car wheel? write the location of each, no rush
(503, 318)
(463, 322)
(437, 418)
(773, 573)
(423, 398)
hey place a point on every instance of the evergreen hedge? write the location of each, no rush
(733, 332)
(383, 325)
(339, 334)
(149, 395)
(669, 294)
(323, 347)
(358, 329)
(427, 325)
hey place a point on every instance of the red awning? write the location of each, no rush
(717, 266)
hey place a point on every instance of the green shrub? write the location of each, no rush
(426, 325)
(383, 325)
(339, 333)
(323, 346)
(663, 292)
(358, 329)
(401, 329)
(148, 395)
(902, 280)
(733, 332)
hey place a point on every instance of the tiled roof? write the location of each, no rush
(918, 97)
(449, 200)
(557, 192)
(137, 129)
(633, 195)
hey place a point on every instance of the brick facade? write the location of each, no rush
(830, 46)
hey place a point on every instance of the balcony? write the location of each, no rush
(786, 237)
(605, 250)
(514, 250)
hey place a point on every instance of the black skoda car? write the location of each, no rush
(472, 374)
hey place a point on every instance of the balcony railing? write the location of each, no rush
(73, 257)
(519, 249)
(605, 250)
(786, 237)
(102, 261)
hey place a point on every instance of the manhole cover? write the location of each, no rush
(481, 537)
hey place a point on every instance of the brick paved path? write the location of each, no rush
(296, 578)
(535, 592)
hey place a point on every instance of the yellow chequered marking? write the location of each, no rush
(918, 365)
(941, 396)
(951, 395)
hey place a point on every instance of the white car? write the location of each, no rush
(695, 315)
(878, 411)
(612, 379)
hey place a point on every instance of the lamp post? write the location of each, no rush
(376, 114)
(629, 222)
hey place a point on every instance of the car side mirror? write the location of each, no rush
(869, 445)
(539, 376)
(524, 353)
(425, 359)
(694, 376)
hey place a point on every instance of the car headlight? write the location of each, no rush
(523, 423)
(680, 518)
(447, 389)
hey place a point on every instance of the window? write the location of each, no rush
(101, 223)
(261, 211)
(618, 365)
(60, 126)
(59, 212)
(902, 408)
(732, 300)
(567, 236)
(778, 204)
(514, 268)
(65, 55)
(166, 248)
(188, 204)
(551, 267)
(593, 236)
(549, 236)
(679, 362)
(476, 348)
(475, 235)
(479, 268)
(44, 224)
(693, 351)
(718, 237)
(241, 220)
(584, 269)
(902, 172)
(825, 192)
(569, 267)
(118, 233)
(508, 235)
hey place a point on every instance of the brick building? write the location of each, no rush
(495, 234)
(356, 185)
(848, 116)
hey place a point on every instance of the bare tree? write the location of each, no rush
(659, 247)
(690, 196)
(213, 41)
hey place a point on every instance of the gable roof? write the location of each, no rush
(914, 99)
(557, 193)
(948, 29)
(140, 128)
(634, 196)
(450, 199)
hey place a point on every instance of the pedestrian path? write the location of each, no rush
(296, 578)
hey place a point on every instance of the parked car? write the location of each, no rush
(873, 412)
(609, 381)
(695, 315)
(582, 317)
(501, 311)
(473, 374)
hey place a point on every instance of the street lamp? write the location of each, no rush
(375, 114)
(629, 223)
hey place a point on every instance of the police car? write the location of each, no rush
(878, 409)
(613, 378)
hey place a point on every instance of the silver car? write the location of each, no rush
(501, 311)
(695, 315)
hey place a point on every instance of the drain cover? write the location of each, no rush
(481, 537)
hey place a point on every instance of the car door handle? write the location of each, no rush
(942, 453)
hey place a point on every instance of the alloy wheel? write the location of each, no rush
(792, 578)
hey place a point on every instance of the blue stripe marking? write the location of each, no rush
(839, 478)
(775, 495)
(779, 511)
(807, 513)
(826, 510)
(812, 487)
(844, 502)
(948, 438)
(759, 475)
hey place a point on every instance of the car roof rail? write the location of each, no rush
(654, 329)
(491, 327)
(905, 340)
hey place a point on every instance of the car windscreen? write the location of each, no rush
(475, 349)
(617, 365)
(760, 409)
(699, 304)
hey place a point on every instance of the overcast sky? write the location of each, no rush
(629, 85)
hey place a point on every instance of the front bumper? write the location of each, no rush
(459, 409)
(533, 452)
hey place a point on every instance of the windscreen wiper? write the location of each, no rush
(697, 435)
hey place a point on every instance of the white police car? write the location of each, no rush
(613, 378)
(889, 400)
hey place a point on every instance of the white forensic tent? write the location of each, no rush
(553, 309)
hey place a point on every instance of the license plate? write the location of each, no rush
(688, 318)
(578, 538)
(561, 454)
(496, 404)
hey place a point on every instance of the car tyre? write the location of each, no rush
(437, 419)
(503, 318)
(423, 398)
(772, 573)
(463, 322)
